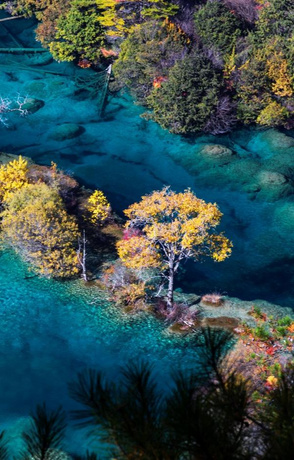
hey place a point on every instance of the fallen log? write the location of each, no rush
(12, 17)
(22, 50)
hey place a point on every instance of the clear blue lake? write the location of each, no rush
(51, 330)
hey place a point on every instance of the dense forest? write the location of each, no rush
(196, 65)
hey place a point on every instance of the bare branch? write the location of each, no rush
(8, 105)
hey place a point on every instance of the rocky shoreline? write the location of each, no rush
(229, 312)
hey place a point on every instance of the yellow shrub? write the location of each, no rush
(273, 114)
(130, 293)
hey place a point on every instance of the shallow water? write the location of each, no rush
(50, 330)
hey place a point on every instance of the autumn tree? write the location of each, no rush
(265, 87)
(278, 72)
(13, 176)
(98, 207)
(156, 9)
(170, 228)
(36, 225)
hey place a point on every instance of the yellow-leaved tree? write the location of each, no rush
(165, 228)
(36, 225)
(98, 207)
(13, 176)
(279, 72)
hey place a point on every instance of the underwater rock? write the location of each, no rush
(214, 299)
(271, 178)
(36, 88)
(60, 87)
(230, 313)
(279, 140)
(269, 249)
(273, 185)
(41, 59)
(270, 140)
(66, 131)
(242, 171)
(224, 322)
(7, 157)
(216, 151)
(284, 218)
(33, 105)
(208, 161)
(16, 427)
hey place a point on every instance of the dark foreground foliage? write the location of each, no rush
(208, 414)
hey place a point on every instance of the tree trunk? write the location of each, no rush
(84, 257)
(170, 290)
(81, 255)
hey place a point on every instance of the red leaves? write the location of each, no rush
(157, 81)
(270, 351)
(130, 233)
(84, 63)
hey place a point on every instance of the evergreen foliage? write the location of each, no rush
(184, 103)
(3, 447)
(210, 412)
(44, 437)
(217, 27)
(203, 416)
(79, 33)
(148, 53)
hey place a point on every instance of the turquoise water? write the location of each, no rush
(50, 330)
(126, 156)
